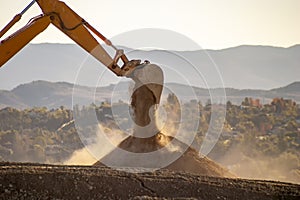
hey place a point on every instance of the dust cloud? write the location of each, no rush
(93, 152)
(81, 157)
(280, 168)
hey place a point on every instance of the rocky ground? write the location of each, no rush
(39, 181)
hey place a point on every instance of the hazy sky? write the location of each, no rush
(213, 24)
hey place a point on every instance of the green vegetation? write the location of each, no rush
(261, 141)
(31, 135)
(258, 141)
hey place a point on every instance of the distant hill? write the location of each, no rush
(242, 67)
(51, 95)
(54, 95)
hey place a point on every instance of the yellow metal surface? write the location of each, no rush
(14, 43)
(10, 24)
(70, 23)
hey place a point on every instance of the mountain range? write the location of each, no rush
(54, 95)
(242, 67)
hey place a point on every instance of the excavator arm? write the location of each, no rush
(66, 20)
(14, 43)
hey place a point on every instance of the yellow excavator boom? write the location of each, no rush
(14, 43)
(70, 23)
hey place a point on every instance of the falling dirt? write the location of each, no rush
(147, 138)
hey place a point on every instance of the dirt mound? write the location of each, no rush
(36, 181)
(182, 157)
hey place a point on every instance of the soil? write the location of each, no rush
(168, 152)
(188, 159)
(40, 181)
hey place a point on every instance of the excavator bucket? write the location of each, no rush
(151, 76)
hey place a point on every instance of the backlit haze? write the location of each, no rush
(213, 24)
